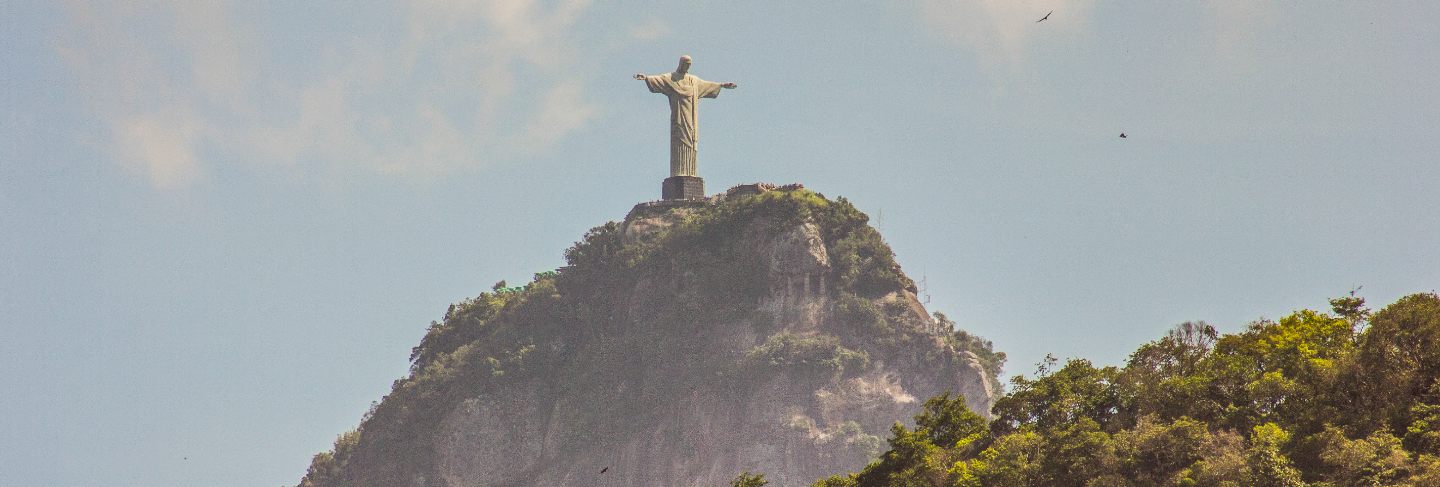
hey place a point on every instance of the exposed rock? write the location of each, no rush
(484, 429)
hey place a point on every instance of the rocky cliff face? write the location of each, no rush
(768, 330)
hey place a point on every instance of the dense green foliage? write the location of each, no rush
(1316, 399)
(821, 354)
(747, 479)
(623, 306)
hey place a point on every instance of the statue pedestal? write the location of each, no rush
(682, 188)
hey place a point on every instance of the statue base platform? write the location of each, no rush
(682, 188)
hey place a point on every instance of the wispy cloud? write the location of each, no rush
(562, 111)
(153, 125)
(451, 86)
(161, 147)
(650, 30)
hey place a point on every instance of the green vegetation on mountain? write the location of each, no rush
(1313, 399)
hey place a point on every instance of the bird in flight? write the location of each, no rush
(604, 469)
(1047, 15)
(1122, 135)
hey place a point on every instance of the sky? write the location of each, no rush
(224, 224)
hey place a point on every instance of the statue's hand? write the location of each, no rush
(729, 85)
(639, 76)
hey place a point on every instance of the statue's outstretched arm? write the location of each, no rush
(639, 76)
(729, 85)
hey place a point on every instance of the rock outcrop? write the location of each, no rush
(766, 330)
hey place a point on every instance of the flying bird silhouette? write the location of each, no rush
(1122, 135)
(1047, 15)
(604, 469)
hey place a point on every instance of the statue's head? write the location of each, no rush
(684, 64)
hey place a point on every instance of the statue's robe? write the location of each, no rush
(685, 93)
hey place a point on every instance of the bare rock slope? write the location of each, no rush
(765, 330)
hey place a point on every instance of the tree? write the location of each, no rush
(1153, 451)
(1351, 308)
(907, 463)
(949, 423)
(1268, 466)
(1400, 356)
(748, 479)
(1078, 390)
(1162, 377)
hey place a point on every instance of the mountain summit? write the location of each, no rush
(765, 329)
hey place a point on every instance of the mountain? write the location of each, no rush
(766, 329)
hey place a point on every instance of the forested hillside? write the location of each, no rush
(1344, 398)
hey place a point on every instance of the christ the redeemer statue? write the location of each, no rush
(685, 91)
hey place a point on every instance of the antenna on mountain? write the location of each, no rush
(880, 220)
(924, 289)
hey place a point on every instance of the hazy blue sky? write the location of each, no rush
(223, 226)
